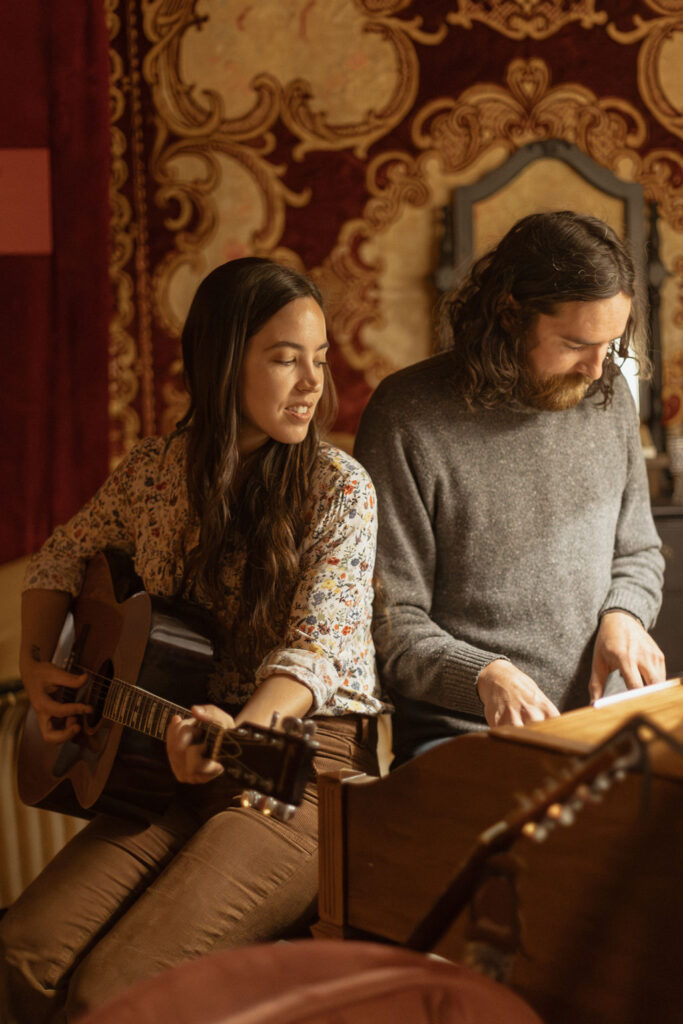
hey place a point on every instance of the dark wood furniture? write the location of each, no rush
(591, 918)
(668, 631)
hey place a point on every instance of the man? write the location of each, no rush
(517, 550)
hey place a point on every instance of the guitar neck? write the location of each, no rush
(147, 713)
(275, 763)
(138, 709)
(164, 644)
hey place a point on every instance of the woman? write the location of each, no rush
(244, 511)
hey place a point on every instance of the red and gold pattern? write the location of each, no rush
(329, 135)
(527, 19)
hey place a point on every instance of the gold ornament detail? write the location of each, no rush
(192, 128)
(678, 272)
(195, 130)
(526, 19)
(196, 145)
(656, 36)
(672, 365)
(313, 128)
(456, 133)
(672, 388)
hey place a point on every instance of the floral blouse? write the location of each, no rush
(143, 509)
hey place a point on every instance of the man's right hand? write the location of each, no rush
(40, 679)
(510, 697)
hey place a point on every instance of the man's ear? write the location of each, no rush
(509, 314)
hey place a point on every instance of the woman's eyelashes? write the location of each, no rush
(291, 362)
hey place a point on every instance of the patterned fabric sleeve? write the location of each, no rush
(328, 646)
(107, 519)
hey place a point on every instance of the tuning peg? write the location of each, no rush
(538, 795)
(577, 803)
(580, 797)
(267, 805)
(275, 719)
(601, 783)
(563, 814)
(587, 794)
(538, 831)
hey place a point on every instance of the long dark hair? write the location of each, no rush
(257, 502)
(544, 260)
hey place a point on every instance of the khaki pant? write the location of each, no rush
(122, 901)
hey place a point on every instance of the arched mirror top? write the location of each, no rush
(554, 175)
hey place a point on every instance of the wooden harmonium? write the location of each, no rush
(549, 856)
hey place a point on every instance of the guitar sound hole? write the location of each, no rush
(99, 686)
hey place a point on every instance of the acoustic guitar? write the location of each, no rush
(146, 659)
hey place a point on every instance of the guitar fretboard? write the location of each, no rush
(129, 705)
(138, 709)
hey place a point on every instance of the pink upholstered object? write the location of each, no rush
(316, 982)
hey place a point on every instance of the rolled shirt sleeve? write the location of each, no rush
(142, 510)
(328, 645)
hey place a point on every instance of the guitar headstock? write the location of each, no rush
(556, 802)
(267, 805)
(561, 799)
(564, 802)
(273, 763)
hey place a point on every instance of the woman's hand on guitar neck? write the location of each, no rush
(58, 720)
(281, 693)
(185, 748)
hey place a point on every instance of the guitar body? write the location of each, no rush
(145, 641)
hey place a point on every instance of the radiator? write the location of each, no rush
(29, 837)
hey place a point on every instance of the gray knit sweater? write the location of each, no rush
(503, 533)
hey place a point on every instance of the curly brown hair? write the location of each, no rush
(544, 260)
(257, 501)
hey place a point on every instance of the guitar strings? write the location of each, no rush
(101, 684)
(100, 687)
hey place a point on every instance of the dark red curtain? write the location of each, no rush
(55, 307)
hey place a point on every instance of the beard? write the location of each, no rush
(553, 393)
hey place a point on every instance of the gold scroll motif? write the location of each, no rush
(213, 173)
(211, 158)
(123, 354)
(459, 139)
(526, 19)
(660, 58)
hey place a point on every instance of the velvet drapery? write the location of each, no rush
(56, 306)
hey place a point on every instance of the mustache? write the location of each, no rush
(555, 392)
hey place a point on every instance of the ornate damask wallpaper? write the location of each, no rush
(329, 133)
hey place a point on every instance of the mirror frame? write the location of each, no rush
(456, 249)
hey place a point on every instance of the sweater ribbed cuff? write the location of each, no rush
(627, 599)
(458, 678)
